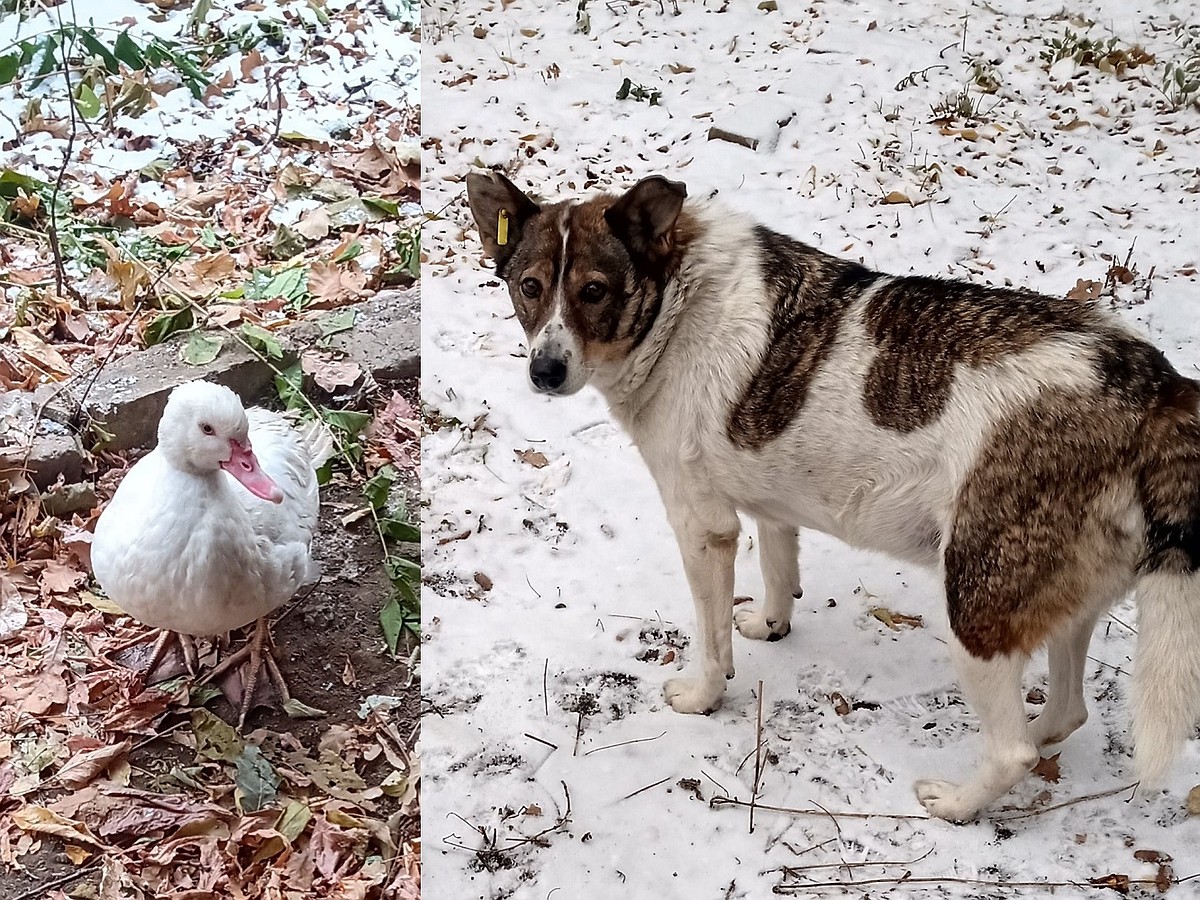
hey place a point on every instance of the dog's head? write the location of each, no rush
(586, 278)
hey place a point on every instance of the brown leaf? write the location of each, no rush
(896, 197)
(1085, 290)
(894, 620)
(840, 705)
(328, 371)
(1047, 768)
(38, 352)
(1164, 878)
(333, 284)
(1119, 883)
(533, 810)
(1193, 801)
(59, 578)
(535, 458)
(88, 764)
(40, 820)
(483, 581)
(1153, 856)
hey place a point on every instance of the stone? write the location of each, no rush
(41, 448)
(385, 339)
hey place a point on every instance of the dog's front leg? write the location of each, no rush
(779, 554)
(708, 546)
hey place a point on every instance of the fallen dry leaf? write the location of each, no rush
(1047, 768)
(88, 764)
(1085, 290)
(40, 820)
(840, 705)
(1193, 801)
(894, 620)
(532, 457)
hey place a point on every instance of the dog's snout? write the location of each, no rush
(548, 373)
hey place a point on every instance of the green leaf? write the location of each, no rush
(391, 620)
(9, 66)
(346, 420)
(291, 284)
(397, 530)
(94, 47)
(293, 819)
(255, 779)
(166, 325)
(289, 384)
(389, 208)
(377, 489)
(127, 51)
(342, 320)
(87, 102)
(353, 251)
(262, 341)
(201, 348)
(12, 183)
(215, 739)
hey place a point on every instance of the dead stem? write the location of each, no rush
(623, 743)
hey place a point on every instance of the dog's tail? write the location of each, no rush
(1166, 681)
(1167, 670)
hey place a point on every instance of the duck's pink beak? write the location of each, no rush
(244, 467)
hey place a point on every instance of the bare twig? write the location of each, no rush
(757, 756)
(534, 737)
(623, 743)
(646, 788)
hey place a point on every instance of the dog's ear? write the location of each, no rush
(643, 219)
(500, 211)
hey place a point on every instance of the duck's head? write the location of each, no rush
(204, 428)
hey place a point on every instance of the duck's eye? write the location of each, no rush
(207, 429)
(531, 288)
(593, 292)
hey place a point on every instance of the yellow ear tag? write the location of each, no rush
(502, 228)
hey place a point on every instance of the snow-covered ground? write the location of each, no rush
(555, 603)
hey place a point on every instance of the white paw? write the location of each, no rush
(753, 624)
(946, 800)
(693, 695)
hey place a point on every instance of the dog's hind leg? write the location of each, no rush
(779, 556)
(1065, 709)
(993, 690)
(708, 559)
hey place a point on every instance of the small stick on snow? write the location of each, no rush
(578, 733)
(545, 693)
(534, 737)
(646, 788)
(757, 755)
(622, 744)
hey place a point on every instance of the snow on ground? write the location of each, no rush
(555, 603)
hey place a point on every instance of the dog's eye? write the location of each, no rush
(593, 292)
(206, 428)
(531, 288)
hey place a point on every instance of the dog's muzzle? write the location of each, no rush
(547, 372)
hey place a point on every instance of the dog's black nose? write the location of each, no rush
(548, 373)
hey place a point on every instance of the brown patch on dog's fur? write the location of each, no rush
(1042, 527)
(923, 327)
(810, 290)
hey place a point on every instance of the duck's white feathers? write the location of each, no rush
(200, 554)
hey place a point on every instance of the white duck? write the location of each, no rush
(212, 529)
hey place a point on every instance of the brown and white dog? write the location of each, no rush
(1037, 453)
